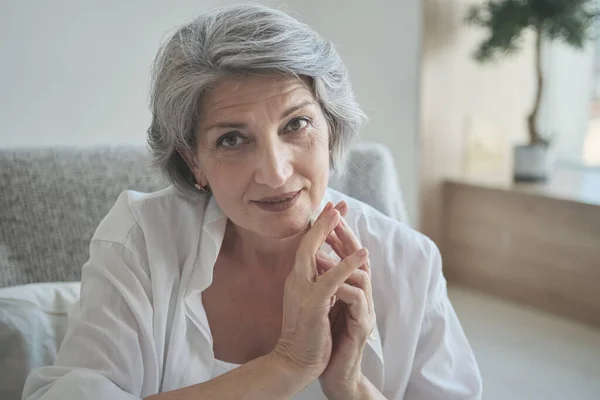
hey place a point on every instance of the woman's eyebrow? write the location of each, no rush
(295, 108)
(237, 125)
(226, 125)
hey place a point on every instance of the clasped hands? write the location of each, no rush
(328, 308)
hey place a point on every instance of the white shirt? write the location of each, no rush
(140, 328)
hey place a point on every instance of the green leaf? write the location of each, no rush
(506, 20)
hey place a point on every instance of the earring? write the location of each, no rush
(201, 188)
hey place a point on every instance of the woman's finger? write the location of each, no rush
(342, 207)
(356, 304)
(324, 262)
(346, 236)
(362, 280)
(331, 280)
(336, 245)
(325, 209)
(332, 240)
(349, 240)
(315, 237)
(343, 242)
(335, 315)
(359, 278)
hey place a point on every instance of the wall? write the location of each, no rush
(78, 71)
(466, 105)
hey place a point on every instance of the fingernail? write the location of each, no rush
(362, 252)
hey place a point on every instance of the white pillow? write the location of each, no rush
(33, 322)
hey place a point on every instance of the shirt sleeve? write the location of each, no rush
(444, 365)
(108, 350)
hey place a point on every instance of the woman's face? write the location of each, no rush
(263, 147)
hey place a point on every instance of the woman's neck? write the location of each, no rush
(255, 251)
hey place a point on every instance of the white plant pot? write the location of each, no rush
(532, 163)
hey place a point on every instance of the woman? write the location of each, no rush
(248, 278)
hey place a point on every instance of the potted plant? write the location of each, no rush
(506, 20)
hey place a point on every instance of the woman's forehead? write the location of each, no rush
(245, 92)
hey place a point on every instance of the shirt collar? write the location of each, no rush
(214, 221)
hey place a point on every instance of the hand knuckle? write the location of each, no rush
(363, 297)
(326, 281)
(364, 277)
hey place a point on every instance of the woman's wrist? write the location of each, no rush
(349, 389)
(360, 389)
(289, 374)
(368, 391)
(363, 388)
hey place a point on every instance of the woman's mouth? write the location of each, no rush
(278, 203)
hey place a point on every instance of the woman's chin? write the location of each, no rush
(284, 229)
(283, 226)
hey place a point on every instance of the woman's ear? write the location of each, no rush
(190, 160)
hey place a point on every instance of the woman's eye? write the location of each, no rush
(297, 124)
(230, 141)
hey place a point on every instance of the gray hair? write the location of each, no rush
(241, 40)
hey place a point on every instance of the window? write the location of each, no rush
(591, 146)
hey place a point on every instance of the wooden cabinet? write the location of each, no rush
(532, 244)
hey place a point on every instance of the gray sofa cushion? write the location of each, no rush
(52, 199)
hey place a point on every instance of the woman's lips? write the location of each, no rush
(281, 197)
(278, 203)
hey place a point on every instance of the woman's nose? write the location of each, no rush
(274, 166)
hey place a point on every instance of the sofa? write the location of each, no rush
(52, 199)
